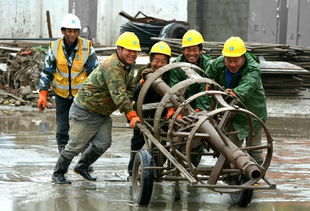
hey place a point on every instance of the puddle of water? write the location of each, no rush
(28, 154)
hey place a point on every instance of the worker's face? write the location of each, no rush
(70, 35)
(127, 56)
(158, 61)
(234, 64)
(192, 53)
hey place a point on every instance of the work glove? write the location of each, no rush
(180, 116)
(231, 92)
(133, 118)
(42, 100)
(145, 72)
(141, 81)
(170, 112)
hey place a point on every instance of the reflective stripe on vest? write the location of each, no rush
(78, 72)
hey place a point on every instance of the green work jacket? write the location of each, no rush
(248, 88)
(177, 75)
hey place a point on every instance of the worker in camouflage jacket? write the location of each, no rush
(69, 61)
(159, 56)
(192, 53)
(108, 88)
(240, 74)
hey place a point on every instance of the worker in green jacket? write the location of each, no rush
(192, 53)
(239, 72)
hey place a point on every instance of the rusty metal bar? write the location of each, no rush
(49, 28)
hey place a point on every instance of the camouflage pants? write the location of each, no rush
(87, 128)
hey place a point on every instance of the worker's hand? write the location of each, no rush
(42, 100)
(180, 116)
(231, 92)
(170, 112)
(133, 118)
(141, 81)
(145, 72)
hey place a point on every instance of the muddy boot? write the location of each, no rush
(61, 168)
(87, 158)
(130, 164)
(90, 168)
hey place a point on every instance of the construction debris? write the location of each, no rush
(19, 79)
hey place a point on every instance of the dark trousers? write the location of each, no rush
(62, 119)
(137, 141)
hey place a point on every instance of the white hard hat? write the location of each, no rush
(70, 21)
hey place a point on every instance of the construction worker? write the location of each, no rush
(239, 72)
(108, 88)
(68, 62)
(192, 53)
(159, 56)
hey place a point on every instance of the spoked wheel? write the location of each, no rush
(142, 179)
(243, 197)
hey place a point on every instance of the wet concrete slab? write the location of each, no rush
(28, 154)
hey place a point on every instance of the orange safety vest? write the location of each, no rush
(78, 74)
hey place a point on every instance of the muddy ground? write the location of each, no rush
(28, 154)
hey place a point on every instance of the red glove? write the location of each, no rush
(180, 116)
(170, 112)
(142, 81)
(133, 118)
(230, 91)
(197, 110)
(42, 100)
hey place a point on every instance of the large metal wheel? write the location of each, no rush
(142, 179)
(244, 197)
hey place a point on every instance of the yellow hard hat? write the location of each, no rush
(161, 47)
(234, 47)
(191, 38)
(129, 41)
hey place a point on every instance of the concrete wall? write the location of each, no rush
(298, 26)
(27, 18)
(280, 21)
(264, 21)
(218, 20)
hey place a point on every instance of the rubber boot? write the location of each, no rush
(90, 168)
(61, 168)
(87, 158)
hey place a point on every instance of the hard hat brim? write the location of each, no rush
(233, 54)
